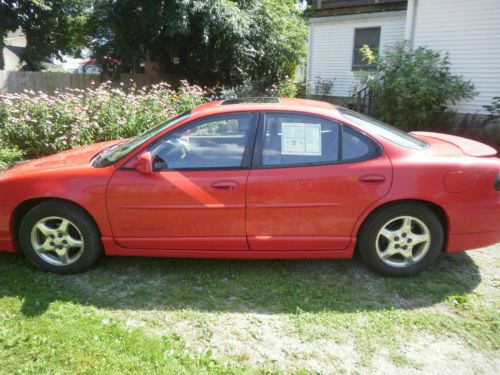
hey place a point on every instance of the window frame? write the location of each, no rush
(247, 153)
(357, 67)
(259, 143)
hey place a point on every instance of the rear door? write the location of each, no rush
(312, 178)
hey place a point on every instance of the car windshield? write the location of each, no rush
(382, 129)
(116, 152)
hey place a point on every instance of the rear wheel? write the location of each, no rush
(59, 237)
(401, 240)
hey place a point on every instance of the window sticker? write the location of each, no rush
(300, 139)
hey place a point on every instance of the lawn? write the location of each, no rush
(137, 315)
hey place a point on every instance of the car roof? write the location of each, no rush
(266, 104)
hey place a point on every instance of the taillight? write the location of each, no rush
(497, 182)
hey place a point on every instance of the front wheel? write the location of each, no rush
(401, 240)
(59, 237)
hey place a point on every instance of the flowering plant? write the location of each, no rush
(37, 124)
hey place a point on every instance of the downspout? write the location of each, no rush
(309, 54)
(411, 21)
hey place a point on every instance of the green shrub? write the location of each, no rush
(9, 155)
(284, 89)
(411, 86)
(321, 86)
(493, 109)
(252, 88)
(41, 124)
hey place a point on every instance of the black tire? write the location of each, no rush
(81, 226)
(369, 235)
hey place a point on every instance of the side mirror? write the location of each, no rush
(144, 163)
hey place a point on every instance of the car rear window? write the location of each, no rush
(382, 129)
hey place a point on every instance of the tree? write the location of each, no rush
(211, 42)
(52, 27)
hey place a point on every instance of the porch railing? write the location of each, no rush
(365, 102)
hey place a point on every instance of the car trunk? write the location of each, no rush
(452, 145)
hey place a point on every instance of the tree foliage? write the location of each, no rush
(52, 27)
(213, 42)
(411, 86)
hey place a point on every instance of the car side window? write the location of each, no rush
(356, 146)
(295, 139)
(212, 143)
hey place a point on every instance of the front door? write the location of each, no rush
(311, 181)
(195, 199)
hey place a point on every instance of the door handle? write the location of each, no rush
(224, 185)
(372, 179)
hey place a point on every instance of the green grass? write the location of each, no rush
(403, 361)
(130, 315)
(70, 338)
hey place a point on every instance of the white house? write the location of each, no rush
(469, 31)
(82, 66)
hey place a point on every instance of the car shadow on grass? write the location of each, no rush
(260, 286)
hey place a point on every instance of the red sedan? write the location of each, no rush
(257, 178)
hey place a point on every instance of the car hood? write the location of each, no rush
(76, 157)
(444, 143)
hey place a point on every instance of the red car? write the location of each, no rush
(257, 178)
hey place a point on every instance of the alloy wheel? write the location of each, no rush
(403, 241)
(57, 241)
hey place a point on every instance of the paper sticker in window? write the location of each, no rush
(300, 139)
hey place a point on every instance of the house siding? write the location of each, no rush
(331, 45)
(470, 32)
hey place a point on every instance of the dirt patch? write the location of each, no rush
(430, 355)
(270, 340)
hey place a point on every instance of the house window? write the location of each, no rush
(370, 37)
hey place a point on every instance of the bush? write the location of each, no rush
(251, 88)
(321, 87)
(411, 86)
(493, 109)
(284, 89)
(41, 124)
(9, 156)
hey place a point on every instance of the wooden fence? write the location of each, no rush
(48, 82)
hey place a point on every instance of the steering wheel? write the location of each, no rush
(173, 150)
